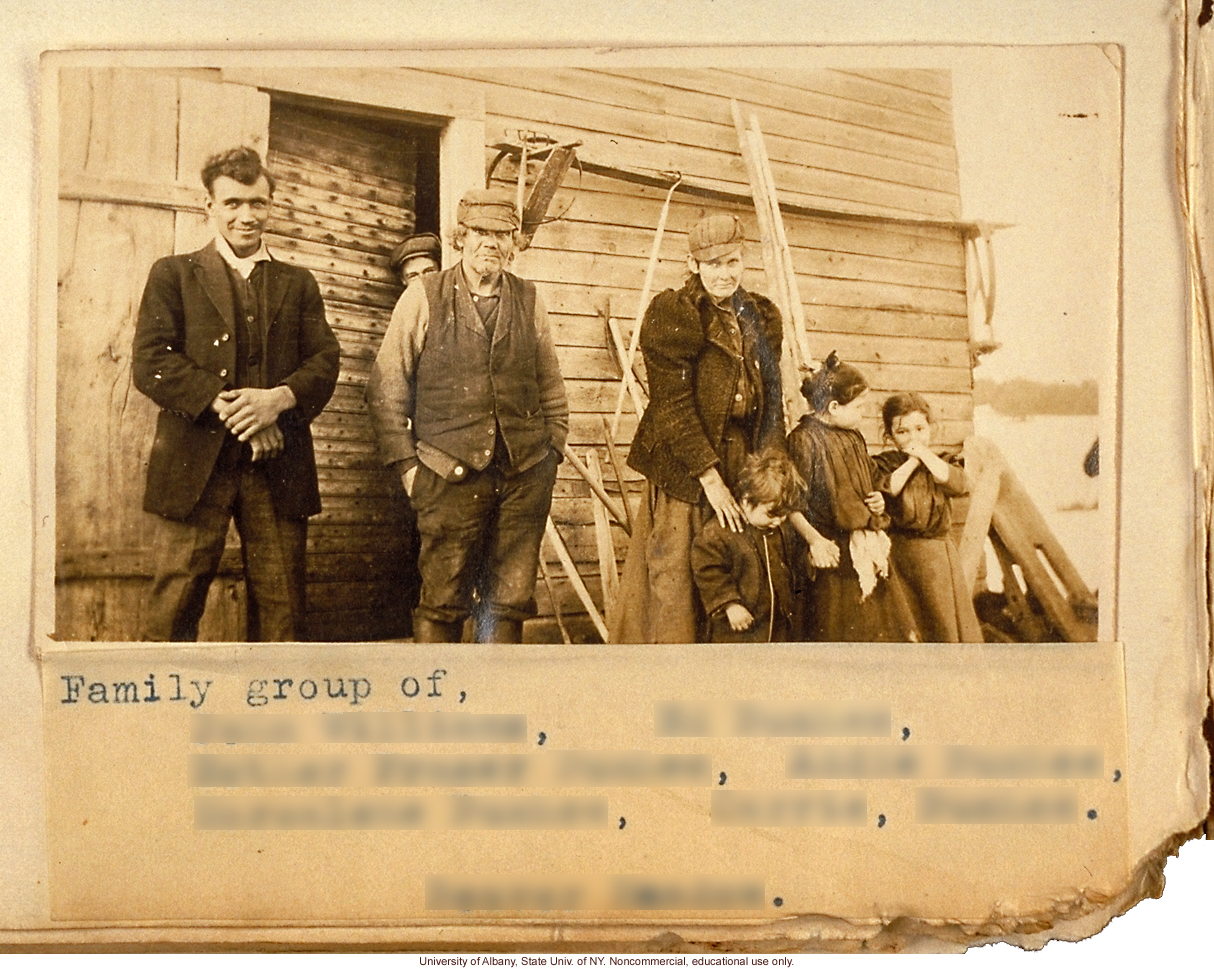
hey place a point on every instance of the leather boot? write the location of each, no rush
(499, 631)
(429, 631)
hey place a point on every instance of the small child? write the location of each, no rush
(743, 576)
(919, 485)
(852, 592)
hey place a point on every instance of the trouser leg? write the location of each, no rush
(428, 631)
(506, 580)
(495, 629)
(451, 520)
(274, 549)
(188, 553)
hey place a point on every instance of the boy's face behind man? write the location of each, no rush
(762, 516)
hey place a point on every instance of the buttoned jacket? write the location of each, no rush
(693, 372)
(185, 354)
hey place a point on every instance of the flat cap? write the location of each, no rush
(714, 236)
(422, 244)
(488, 208)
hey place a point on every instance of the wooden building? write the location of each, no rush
(866, 171)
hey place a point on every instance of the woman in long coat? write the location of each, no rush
(712, 355)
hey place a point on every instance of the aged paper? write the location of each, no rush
(726, 783)
(1157, 624)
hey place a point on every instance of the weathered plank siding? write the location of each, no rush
(131, 145)
(345, 198)
(880, 263)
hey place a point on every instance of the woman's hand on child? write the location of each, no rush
(874, 501)
(824, 554)
(739, 617)
(719, 496)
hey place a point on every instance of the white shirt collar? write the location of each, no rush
(242, 264)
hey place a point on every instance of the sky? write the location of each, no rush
(1038, 146)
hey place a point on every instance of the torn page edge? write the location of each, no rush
(1070, 919)
(1195, 145)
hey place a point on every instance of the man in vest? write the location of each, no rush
(468, 403)
(234, 346)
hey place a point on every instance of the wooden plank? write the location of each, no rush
(575, 83)
(1038, 578)
(378, 243)
(588, 429)
(609, 577)
(104, 426)
(344, 289)
(363, 141)
(612, 225)
(984, 471)
(558, 544)
(120, 191)
(1030, 627)
(793, 95)
(287, 139)
(886, 321)
(625, 272)
(289, 200)
(140, 135)
(862, 350)
(820, 257)
(213, 118)
(111, 610)
(572, 305)
(788, 150)
(389, 212)
(854, 87)
(75, 109)
(346, 482)
(722, 171)
(697, 104)
(332, 178)
(933, 82)
(333, 259)
(688, 208)
(596, 485)
(534, 108)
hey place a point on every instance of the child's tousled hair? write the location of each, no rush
(770, 477)
(899, 405)
(834, 380)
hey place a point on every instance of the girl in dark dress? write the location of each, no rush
(918, 485)
(851, 592)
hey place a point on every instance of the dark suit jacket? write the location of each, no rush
(185, 354)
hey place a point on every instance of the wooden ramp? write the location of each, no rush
(1035, 567)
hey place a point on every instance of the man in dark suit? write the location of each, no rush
(234, 347)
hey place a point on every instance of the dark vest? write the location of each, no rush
(468, 386)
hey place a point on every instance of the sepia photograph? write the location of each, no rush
(594, 350)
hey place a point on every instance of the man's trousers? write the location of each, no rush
(188, 554)
(481, 534)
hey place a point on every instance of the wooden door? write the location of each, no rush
(132, 143)
(345, 199)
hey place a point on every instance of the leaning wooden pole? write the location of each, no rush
(646, 288)
(575, 578)
(600, 492)
(791, 365)
(784, 253)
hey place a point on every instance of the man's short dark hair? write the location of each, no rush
(241, 164)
